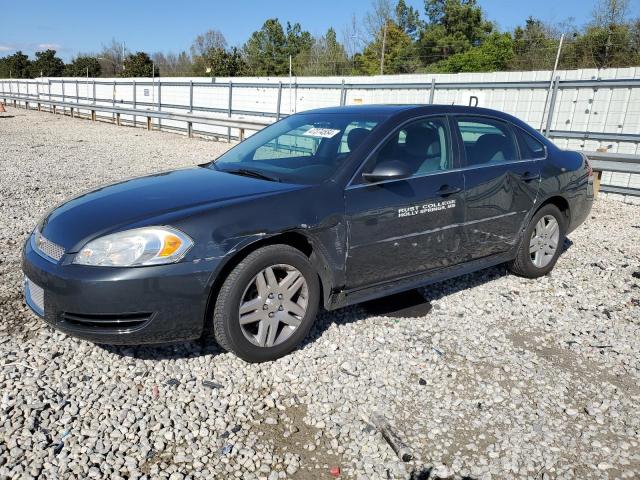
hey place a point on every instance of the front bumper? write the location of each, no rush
(136, 305)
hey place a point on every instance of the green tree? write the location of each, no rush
(83, 65)
(398, 52)
(408, 19)
(534, 45)
(326, 56)
(493, 55)
(47, 64)
(175, 65)
(138, 65)
(605, 47)
(610, 39)
(298, 41)
(17, 65)
(212, 57)
(453, 26)
(267, 50)
(219, 62)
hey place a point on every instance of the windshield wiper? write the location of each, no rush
(251, 173)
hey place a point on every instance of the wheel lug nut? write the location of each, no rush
(280, 308)
(265, 307)
(280, 296)
(271, 315)
(271, 295)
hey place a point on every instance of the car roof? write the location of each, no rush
(390, 109)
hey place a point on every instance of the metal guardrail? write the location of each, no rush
(595, 83)
(615, 163)
(429, 88)
(189, 118)
(600, 161)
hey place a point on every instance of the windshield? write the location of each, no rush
(302, 148)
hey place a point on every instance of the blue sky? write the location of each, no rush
(72, 26)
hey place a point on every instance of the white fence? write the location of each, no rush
(586, 110)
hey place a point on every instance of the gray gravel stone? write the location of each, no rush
(505, 377)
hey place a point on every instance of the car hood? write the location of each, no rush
(115, 207)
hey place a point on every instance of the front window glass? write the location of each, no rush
(304, 148)
(422, 145)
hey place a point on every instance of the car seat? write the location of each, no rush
(491, 147)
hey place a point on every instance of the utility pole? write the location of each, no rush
(290, 77)
(87, 91)
(553, 75)
(153, 82)
(384, 44)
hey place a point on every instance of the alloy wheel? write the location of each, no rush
(273, 305)
(544, 241)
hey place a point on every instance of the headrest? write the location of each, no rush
(489, 145)
(355, 137)
(419, 139)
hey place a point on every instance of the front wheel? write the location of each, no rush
(267, 304)
(541, 243)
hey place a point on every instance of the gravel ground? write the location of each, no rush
(495, 377)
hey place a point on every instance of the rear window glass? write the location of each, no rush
(486, 141)
(530, 148)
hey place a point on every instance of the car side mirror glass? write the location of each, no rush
(387, 170)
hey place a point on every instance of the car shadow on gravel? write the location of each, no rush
(410, 304)
(168, 351)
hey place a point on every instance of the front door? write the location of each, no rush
(501, 186)
(399, 228)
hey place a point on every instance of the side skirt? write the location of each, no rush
(350, 297)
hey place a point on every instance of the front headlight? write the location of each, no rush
(137, 247)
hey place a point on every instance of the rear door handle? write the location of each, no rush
(529, 176)
(446, 190)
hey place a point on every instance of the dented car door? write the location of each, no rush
(401, 227)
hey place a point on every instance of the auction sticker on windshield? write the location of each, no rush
(321, 132)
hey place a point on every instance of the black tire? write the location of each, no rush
(522, 265)
(226, 317)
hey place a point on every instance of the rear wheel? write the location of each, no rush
(267, 304)
(541, 243)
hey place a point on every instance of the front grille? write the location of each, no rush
(124, 321)
(34, 296)
(47, 247)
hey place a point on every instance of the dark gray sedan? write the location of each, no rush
(324, 208)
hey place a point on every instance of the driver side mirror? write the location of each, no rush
(387, 170)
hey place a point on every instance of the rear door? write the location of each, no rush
(500, 185)
(399, 228)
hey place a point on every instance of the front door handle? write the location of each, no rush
(529, 176)
(447, 190)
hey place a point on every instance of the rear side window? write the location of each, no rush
(487, 141)
(530, 148)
